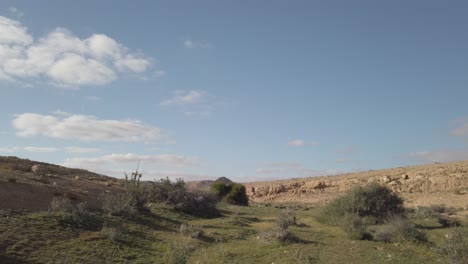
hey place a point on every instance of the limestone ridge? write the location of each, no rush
(425, 179)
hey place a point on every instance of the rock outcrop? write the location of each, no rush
(425, 179)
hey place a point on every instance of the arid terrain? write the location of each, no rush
(432, 184)
(43, 219)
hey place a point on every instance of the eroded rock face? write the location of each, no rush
(409, 180)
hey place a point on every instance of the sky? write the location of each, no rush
(249, 90)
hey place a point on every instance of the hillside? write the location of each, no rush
(31, 185)
(440, 183)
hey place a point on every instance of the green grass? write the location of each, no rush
(233, 238)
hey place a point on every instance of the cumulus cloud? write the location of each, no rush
(184, 97)
(64, 59)
(85, 128)
(440, 155)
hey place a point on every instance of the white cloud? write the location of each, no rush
(192, 103)
(64, 59)
(296, 143)
(440, 155)
(9, 149)
(85, 128)
(41, 149)
(81, 150)
(197, 44)
(116, 164)
(184, 97)
(301, 143)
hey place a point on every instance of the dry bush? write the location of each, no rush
(399, 229)
(190, 230)
(455, 248)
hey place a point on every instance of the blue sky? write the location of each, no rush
(250, 90)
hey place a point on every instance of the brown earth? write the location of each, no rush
(433, 184)
(31, 185)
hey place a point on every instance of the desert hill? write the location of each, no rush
(31, 185)
(439, 183)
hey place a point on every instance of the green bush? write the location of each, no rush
(129, 202)
(373, 202)
(176, 195)
(455, 248)
(355, 227)
(220, 189)
(232, 193)
(169, 192)
(399, 229)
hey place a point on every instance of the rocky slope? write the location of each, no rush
(439, 183)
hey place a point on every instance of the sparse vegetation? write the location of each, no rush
(174, 232)
(176, 195)
(129, 202)
(191, 230)
(355, 227)
(399, 229)
(455, 247)
(373, 202)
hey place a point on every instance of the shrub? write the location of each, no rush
(237, 195)
(128, 203)
(286, 218)
(446, 221)
(355, 227)
(111, 233)
(282, 233)
(373, 202)
(433, 211)
(399, 229)
(220, 189)
(60, 204)
(199, 204)
(118, 204)
(232, 193)
(190, 230)
(176, 195)
(178, 253)
(169, 192)
(455, 248)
